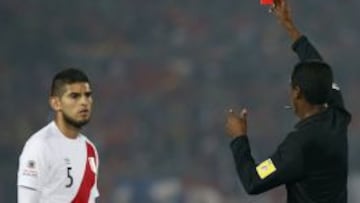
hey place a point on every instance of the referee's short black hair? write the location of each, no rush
(64, 77)
(314, 78)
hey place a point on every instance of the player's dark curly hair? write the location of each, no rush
(314, 78)
(67, 76)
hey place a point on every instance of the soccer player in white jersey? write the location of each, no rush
(58, 164)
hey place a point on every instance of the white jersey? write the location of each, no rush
(63, 170)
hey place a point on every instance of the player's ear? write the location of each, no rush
(54, 102)
(297, 92)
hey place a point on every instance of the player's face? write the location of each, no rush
(76, 104)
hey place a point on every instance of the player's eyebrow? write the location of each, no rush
(88, 93)
(76, 94)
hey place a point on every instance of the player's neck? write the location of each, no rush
(67, 130)
(310, 110)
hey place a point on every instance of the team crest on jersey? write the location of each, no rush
(92, 164)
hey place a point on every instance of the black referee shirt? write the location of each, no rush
(312, 160)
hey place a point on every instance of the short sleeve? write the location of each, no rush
(32, 165)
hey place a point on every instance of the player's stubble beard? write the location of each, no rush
(74, 123)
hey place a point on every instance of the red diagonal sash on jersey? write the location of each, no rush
(88, 180)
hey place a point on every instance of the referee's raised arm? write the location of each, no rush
(281, 10)
(301, 45)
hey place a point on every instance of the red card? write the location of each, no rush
(266, 2)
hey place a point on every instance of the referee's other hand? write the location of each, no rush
(236, 123)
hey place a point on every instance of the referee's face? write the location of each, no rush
(76, 104)
(295, 98)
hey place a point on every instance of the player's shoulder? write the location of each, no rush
(42, 136)
(37, 142)
(87, 140)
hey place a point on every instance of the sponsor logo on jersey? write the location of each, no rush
(67, 161)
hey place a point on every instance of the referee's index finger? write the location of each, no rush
(232, 111)
(239, 113)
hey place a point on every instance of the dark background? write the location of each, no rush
(163, 74)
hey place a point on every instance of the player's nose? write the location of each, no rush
(85, 101)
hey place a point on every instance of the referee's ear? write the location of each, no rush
(54, 103)
(297, 92)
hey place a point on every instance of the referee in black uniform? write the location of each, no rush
(312, 161)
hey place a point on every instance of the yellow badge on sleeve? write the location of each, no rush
(265, 168)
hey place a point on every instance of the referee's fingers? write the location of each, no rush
(232, 112)
(243, 113)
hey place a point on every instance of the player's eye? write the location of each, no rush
(74, 95)
(88, 94)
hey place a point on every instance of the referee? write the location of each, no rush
(312, 161)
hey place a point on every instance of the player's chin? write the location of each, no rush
(84, 120)
(80, 123)
(84, 117)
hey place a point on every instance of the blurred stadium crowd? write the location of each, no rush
(163, 73)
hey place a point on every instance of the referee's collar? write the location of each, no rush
(311, 119)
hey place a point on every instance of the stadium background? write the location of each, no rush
(163, 73)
